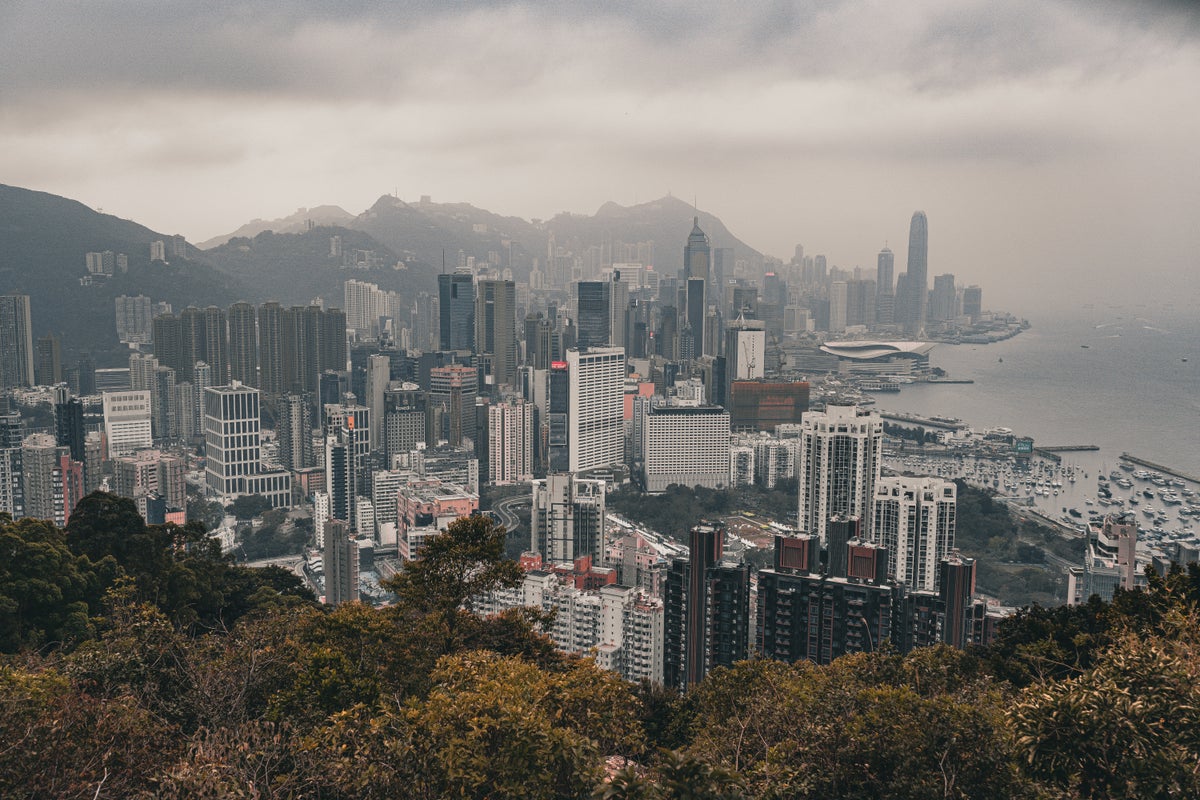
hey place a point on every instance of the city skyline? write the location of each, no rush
(996, 121)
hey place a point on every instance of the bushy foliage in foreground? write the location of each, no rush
(140, 663)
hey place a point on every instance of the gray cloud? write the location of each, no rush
(387, 51)
(823, 122)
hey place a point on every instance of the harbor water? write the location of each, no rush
(1125, 380)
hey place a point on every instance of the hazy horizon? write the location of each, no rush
(1051, 144)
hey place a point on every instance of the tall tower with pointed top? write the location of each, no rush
(917, 283)
(697, 263)
(697, 253)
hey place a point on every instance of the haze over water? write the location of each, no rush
(1129, 390)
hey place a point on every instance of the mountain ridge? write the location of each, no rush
(424, 230)
(292, 223)
(43, 241)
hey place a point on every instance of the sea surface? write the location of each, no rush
(1126, 380)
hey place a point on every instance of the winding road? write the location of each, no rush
(508, 516)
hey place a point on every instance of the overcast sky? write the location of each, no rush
(1054, 144)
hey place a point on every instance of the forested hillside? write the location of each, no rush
(140, 663)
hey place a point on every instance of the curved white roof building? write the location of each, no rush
(871, 351)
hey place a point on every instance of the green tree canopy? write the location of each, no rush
(491, 727)
(47, 593)
(249, 506)
(1128, 727)
(462, 562)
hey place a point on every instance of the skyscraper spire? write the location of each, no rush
(697, 263)
(917, 283)
(696, 253)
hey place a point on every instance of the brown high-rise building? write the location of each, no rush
(761, 405)
(452, 392)
(495, 329)
(707, 610)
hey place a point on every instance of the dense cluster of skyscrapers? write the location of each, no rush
(385, 416)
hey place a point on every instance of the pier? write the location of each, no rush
(1052, 451)
(948, 380)
(1159, 467)
(913, 419)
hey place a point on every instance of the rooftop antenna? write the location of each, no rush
(443, 261)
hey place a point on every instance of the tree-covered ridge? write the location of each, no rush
(1010, 550)
(141, 663)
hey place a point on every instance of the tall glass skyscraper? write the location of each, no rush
(456, 301)
(884, 271)
(697, 262)
(697, 253)
(595, 313)
(918, 273)
(16, 342)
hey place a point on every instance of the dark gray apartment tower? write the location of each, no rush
(243, 345)
(341, 563)
(167, 333)
(558, 418)
(331, 331)
(313, 340)
(805, 612)
(48, 368)
(16, 342)
(332, 388)
(456, 304)
(69, 430)
(193, 342)
(495, 329)
(298, 360)
(707, 610)
(841, 530)
(216, 344)
(667, 344)
(341, 474)
(595, 313)
(270, 331)
(294, 429)
(697, 305)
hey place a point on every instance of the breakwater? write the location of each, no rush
(1159, 467)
